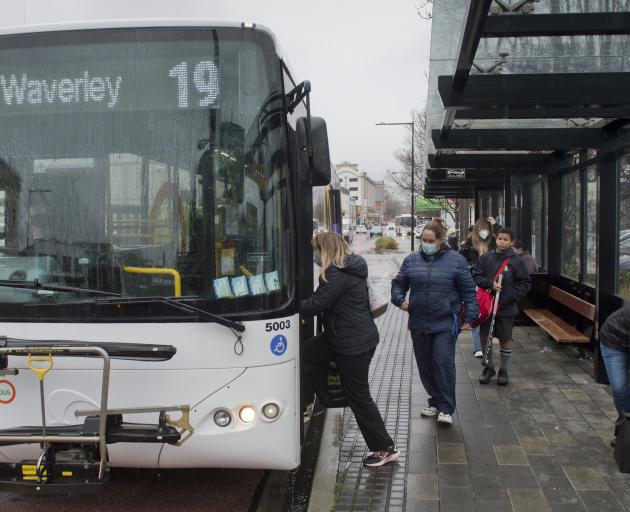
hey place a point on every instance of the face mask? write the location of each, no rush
(483, 234)
(429, 249)
(318, 260)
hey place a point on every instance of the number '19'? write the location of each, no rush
(205, 79)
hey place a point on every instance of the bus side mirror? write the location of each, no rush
(314, 155)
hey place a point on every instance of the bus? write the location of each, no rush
(156, 186)
(403, 224)
(327, 206)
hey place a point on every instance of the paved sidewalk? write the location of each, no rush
(539, 444)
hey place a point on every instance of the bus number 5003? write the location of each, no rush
(277, 326)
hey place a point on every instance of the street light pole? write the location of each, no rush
(413, 171)
(413, 199)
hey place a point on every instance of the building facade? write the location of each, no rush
(361, 188)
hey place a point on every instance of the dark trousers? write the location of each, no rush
(353, 371)
(435, 355)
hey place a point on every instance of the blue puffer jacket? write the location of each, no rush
(439, 284)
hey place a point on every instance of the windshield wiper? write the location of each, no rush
(36, 285)
(175, 304)
(115, 298)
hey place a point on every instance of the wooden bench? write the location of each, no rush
(557, 328)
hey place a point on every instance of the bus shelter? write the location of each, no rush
(529, 114)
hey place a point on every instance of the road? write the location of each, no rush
(191, 490)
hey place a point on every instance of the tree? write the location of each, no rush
(403, 155)
(453, 208)
(393, 206)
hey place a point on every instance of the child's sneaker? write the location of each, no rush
(428, 412)
(381, 458)
(444, 418)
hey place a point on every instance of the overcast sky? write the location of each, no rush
(366, 59)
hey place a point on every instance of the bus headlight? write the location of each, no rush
(247, 414)
(271, 411)
(222, 418)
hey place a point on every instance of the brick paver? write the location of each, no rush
(539, 444)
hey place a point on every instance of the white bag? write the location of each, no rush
(378, 301)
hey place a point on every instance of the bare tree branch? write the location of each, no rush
(425, 9)
(403, 155)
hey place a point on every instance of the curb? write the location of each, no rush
(325, 479)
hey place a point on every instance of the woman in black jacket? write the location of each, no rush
(480, 241)
(350, 337)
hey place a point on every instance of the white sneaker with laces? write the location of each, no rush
(447, 419)
(428, 412)
(478, 353)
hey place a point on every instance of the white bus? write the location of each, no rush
(156, 212)
(403, 224)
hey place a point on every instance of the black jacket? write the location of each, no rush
(615, 333)
(348, 324)
(516, 280)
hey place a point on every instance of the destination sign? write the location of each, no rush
(160, 85)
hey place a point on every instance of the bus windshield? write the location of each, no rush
(132, 158)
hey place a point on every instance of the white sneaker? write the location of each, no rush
(478, 353)
(428, 412)
(447, 419)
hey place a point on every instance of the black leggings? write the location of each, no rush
(354, 371)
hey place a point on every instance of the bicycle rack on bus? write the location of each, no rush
(74, 457)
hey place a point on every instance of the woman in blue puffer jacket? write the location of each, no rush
(439, 281)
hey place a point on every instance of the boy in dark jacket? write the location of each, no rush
(515, 285)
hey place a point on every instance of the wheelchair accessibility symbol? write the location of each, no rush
(278, 345)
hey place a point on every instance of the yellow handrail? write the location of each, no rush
(177, 280)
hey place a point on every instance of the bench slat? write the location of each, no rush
(557, 328)
(586, 309)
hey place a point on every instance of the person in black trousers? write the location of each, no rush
(350, 338)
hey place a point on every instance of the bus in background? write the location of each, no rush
(327, 206)
(403, 224)
(156, 247)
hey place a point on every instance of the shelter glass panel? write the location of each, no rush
(591, 226)
(538, 238)
(527, 213)
(570, 236)
(624, 226)
(491, 205)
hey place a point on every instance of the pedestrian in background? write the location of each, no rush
(480, 241)
(349, 339)
(438, 280)
(515, 285)
(614, 343)
(451, 237)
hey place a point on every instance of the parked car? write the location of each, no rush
(361, 229)
(376, 230)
